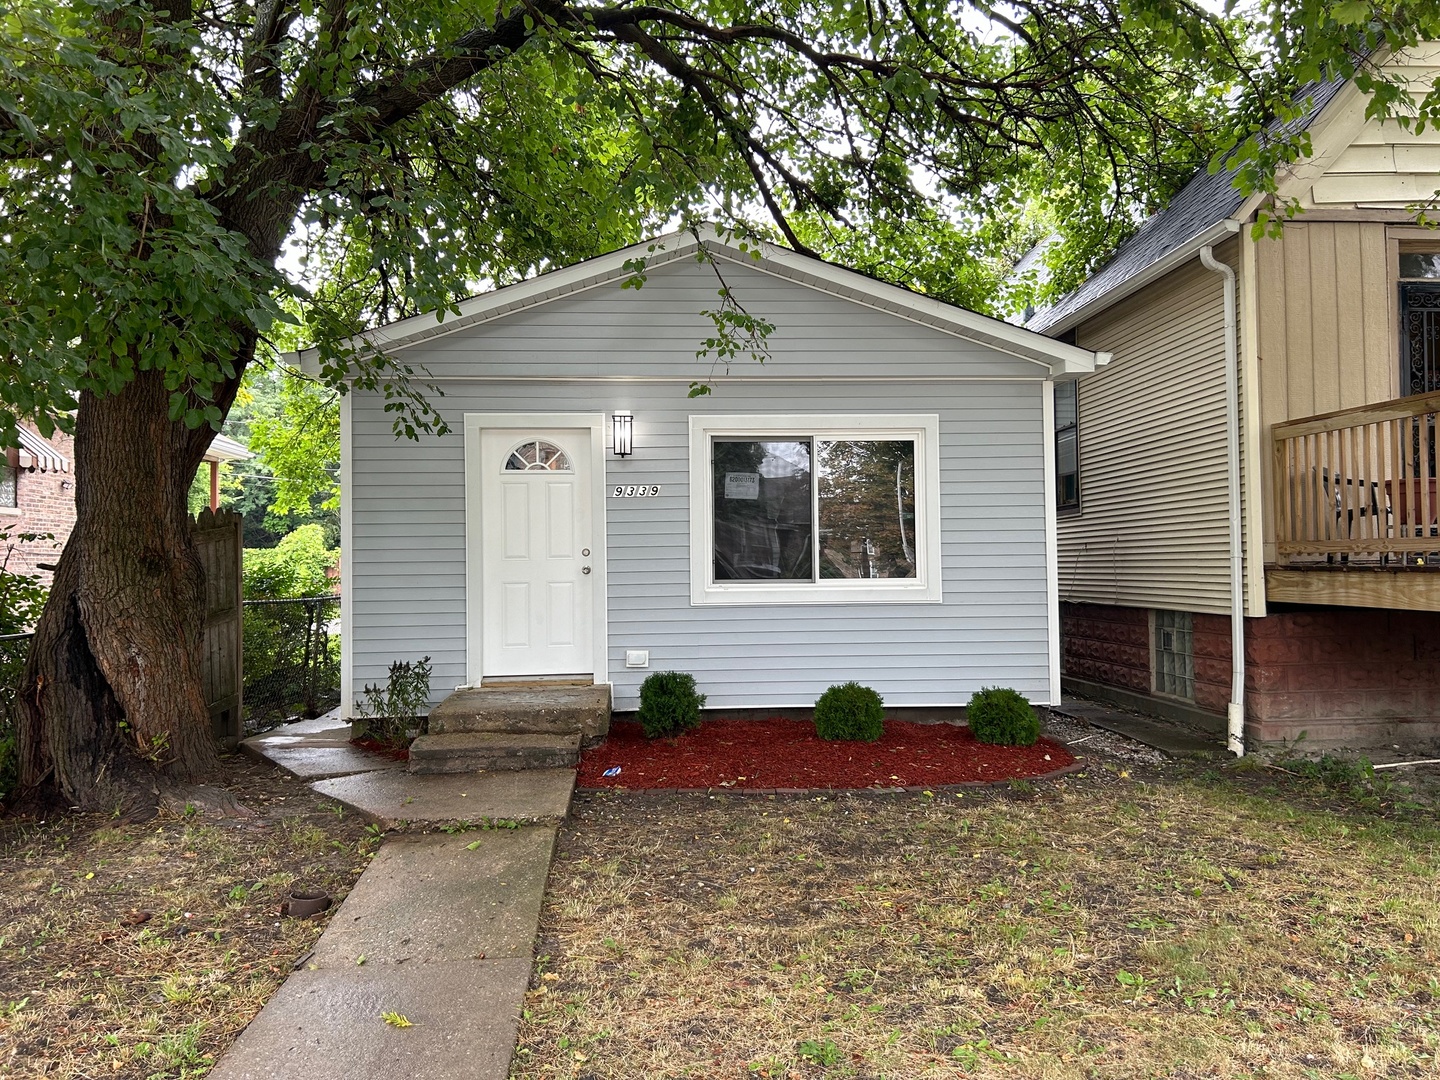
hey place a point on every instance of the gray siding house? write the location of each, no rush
(875, 501)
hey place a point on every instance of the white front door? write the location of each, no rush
(537, 574)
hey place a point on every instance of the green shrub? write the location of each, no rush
(389, 712)
(1002, 717)
(294, 567)
(850, 712)
(669, 704)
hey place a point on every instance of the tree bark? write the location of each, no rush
(113, 713)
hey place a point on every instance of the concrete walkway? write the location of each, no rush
(1168, 736)
(439, 929)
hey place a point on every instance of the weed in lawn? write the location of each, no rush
(822, 1052)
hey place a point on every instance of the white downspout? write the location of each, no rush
(1235, 711)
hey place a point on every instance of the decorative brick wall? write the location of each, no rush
(1353, 677)
(1110, 644)
(1104, 644)
(46, 505)
(1345, 677)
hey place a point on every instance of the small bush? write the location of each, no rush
(389, 712)
(1002, 717)
(850, 712)
(669, 704)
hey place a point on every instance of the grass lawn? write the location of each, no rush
(1130, 921)
(141, 951)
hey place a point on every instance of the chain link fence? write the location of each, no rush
(292, 659)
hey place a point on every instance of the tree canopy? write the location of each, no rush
(159, 155)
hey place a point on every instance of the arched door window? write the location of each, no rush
(537, 455)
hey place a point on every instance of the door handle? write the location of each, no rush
(584, 569)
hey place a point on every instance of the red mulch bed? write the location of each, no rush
(787, 754)
(375, 746)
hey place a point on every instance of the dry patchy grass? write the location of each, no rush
(90, 986)
(1113, 926)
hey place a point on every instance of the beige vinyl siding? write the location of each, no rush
(1325, 335)
(1386, 165)
(1325, 327)
(1152, 530)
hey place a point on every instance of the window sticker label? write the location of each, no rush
(739, 485)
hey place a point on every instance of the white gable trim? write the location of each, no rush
(1058, 357)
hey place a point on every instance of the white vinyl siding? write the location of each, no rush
(1152, 530)
(611, 349)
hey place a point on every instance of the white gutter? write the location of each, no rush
(1156, 270)
(1235, 711)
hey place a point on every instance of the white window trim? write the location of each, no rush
(924, 588)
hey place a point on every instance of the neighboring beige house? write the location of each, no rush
(1303, 486)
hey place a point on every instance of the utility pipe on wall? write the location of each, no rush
(1235, 711)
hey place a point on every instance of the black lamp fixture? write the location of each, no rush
(623, 428)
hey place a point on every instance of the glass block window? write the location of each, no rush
(1175, 654)
(9, 485)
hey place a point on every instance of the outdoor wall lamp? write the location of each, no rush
(623, 428)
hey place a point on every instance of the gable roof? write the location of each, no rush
(1058, 358)
(1200, 213)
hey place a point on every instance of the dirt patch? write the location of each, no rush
(141, 951)
(777, 754)
(382, 749)
(1130, 920)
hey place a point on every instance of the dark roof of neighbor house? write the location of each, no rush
(1208, 199)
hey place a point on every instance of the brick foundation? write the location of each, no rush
(1344, 677)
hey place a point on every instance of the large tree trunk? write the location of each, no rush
(113, 713)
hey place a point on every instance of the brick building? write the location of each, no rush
(37, 496)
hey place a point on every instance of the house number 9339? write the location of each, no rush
(634, 491)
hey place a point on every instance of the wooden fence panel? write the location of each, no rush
(220, 541)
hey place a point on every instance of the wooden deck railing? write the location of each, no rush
(1358, 485)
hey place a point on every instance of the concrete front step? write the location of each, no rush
(525, 710)
(472, 751)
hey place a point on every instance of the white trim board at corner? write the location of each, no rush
(347, 558)
(924, 588)
(1052, 544)
(1056, 356)
(474, 531)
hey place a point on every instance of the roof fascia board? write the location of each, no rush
(1156, 270)
(1058, 357)
(1334, 129)
(563, 281)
